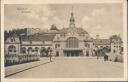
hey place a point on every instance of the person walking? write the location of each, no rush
(97, 54)
(50, 56)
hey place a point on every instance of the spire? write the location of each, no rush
(72, 19)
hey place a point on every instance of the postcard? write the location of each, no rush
(65, 40)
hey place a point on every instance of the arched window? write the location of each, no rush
(72, 42)
(11, 40)
(11, 48)
(36, 49)
(29, 49)
(23, 50)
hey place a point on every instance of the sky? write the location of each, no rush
(102, 19)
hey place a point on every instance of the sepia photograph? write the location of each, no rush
(80, 40)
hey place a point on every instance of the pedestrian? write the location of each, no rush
(105, 57)
(97, 55)
(50, 57)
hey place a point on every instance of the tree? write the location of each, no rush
(17, 32)
(53, 27)
(116, 37)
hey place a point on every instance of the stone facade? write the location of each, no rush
(116, 45)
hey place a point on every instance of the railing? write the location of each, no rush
(11, 59)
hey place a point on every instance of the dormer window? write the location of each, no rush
(11, 40)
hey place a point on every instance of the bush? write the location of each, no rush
(13, 59)
(115, 57)
(120, 58)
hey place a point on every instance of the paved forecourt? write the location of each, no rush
(74, 67)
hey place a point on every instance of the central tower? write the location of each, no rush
(72, 20)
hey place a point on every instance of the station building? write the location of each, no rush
(66, 42)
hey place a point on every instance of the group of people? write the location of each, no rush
(105, 56)
(97, 54)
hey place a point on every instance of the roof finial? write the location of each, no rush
(72, 19)
(72, 9)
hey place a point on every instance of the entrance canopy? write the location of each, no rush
(72, 52)
(72, 49)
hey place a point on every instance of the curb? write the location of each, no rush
(25, 69)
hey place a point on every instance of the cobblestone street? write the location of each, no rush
(70, 67)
